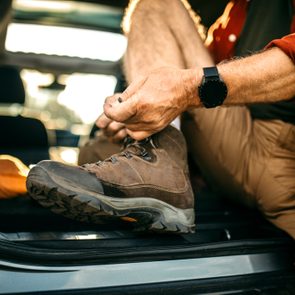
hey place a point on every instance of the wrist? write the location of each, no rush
(194, 78)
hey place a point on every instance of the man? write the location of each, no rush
(246, 150)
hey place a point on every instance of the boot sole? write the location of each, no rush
(147, 214)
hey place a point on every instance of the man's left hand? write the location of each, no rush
(151, 102)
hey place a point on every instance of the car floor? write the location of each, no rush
(217, 220)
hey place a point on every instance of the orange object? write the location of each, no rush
(128, 219)
(13, 175)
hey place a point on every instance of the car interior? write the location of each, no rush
(50, 96)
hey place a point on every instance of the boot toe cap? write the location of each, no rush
(65, 176)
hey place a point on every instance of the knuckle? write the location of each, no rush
(113, 126)
(107, 110)
(120, 135)
(125, 94)
(107, 99)
(99, 124)
(102, 121)
(136, 136)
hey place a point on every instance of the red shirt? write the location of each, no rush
(223, 34)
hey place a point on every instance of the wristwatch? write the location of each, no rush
(213, 90)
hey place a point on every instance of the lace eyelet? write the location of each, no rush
(147, 157)
(113, 159)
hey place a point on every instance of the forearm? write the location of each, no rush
(264, 77)
(151, 102)
(268, 76)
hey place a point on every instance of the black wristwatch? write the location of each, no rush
(213, 90)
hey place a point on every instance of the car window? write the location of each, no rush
(66, 29)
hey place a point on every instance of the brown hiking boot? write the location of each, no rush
(97, 149)
(148, 183)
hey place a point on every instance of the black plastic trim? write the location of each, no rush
(20, 252)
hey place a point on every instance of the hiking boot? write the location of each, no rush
(147, 183)
(97, 149)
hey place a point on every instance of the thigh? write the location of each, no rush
(251, 161)
(218, 140)
(275, 191)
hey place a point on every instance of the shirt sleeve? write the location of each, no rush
(287, 44)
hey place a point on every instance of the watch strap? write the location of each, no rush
(211, 72)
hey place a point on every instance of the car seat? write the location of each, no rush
(22, 137)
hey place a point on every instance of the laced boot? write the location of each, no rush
(147, 183)
(97, 149)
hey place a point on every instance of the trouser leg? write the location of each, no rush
(250, 161)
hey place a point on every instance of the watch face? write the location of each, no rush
(212, 93)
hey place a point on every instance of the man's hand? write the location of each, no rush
(115, 131)
(150, 103)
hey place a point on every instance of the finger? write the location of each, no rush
(123, 107)
(139, 127)
(119, 136)
(139, 135)
(126, 94)
(145, 126)
(132, 88)
(113, 128)
(113, 99)
(103, 121)
(120, 112)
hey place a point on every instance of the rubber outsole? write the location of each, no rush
(146, 214)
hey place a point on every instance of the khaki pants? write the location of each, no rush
(252, 161)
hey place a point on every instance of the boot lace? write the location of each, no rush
(130, 149)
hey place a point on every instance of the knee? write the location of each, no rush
(154, 5)
(280, 212)
(274, 205)
(140, 9)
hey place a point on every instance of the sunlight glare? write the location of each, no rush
(85, 95)
(65, 41)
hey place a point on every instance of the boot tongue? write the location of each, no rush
(129, 142)
(138, 148)
(131, 148)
